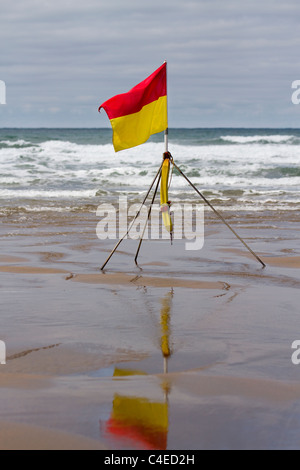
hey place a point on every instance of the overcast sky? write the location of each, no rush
(231, 63)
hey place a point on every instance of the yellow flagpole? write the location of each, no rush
(167, 130)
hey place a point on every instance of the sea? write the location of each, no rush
(75, 170)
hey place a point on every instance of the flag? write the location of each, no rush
(139, 421)
(139, 113)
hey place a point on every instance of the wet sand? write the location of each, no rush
(87, 351)
(291, 261)
(146, 281)
(26, 437)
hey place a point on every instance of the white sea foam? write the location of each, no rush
(37, 194)
(265, 168)
(15, 143)
(257, 138)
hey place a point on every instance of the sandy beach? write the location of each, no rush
(87, 351)
(165, 119)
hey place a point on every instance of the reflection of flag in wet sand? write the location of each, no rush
(139, 420)
(165, 316)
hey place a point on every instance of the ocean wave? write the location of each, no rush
(20, 143)
(66, 154)
(222, 205)
(273, 139)
(222, 166)
(38, 194)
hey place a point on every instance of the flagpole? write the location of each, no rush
(167, 129)
(166, 140)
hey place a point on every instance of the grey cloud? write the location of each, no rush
(222, 57)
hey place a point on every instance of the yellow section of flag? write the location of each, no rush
(140, 112)
(135, 129)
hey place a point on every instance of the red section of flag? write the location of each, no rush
(147, 439)
(149, 90)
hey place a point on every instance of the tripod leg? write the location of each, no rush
(149, 213)
(131, 225)
(219, 215)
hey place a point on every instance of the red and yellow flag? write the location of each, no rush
(139, 113)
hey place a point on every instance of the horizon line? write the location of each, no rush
(170, 128)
